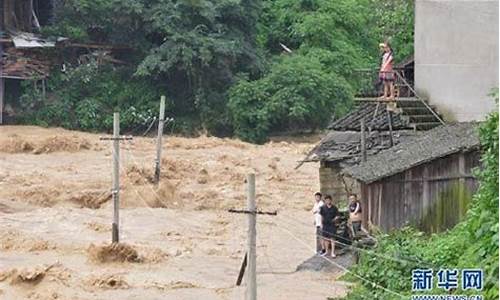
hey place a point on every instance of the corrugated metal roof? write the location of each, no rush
(24, 40)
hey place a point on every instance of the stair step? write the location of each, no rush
(413, 103)
(376, 99)
(425, 125)
(422, 118)
(411, 111)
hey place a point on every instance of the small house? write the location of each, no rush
(383, 127)
(427, 181)
(341, 147)
(27, 56)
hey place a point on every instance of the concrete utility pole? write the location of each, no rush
(2, 87)
(251, 293)
(116, 175)
(250, 258)
(161, 123)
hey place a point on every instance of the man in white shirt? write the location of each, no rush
(318, 203)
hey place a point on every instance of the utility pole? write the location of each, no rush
(363, 139)
(116, 175)
(252, 253)
(2, 87)
(161, 123)
(116, 178)
(250, 258)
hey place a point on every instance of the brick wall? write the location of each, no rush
(331, 183)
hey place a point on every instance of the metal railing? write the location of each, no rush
(369, 85)
(412, 90)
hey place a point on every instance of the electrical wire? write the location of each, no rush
(373, 284)
(400, 260)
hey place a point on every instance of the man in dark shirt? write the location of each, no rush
(329, 213)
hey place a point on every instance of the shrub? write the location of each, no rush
(86, 96)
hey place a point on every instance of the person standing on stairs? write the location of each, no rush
(386, 73)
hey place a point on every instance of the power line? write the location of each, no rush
(366, 251)
(345, 269)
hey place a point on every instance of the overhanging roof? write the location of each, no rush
(375, 115)
(435, 143)
(345, 146)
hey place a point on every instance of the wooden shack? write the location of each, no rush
(21, 55)
(427, 181)
(25, 55)
(341, 147)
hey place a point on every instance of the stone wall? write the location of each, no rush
(333, 183)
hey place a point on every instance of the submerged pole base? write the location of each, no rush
(114, 233)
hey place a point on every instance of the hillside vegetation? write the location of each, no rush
(219, 62)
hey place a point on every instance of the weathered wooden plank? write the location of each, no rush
(2, 93)
(379, 199)
(436, 191)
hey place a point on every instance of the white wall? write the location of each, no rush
(456, 56)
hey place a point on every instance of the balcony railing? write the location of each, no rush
(369, 85)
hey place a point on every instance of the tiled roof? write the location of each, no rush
(345, 146)
(435, 143)
(376, 118)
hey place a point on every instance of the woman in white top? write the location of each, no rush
(318, 202)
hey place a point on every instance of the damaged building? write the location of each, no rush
(22, 55)
(372, 126)
(27, 56)
(342, 146)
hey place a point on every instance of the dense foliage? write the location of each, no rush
(86, 96)
(394, 20)
(297, 94)
(219, 62)
(190, 50)
(473, 243)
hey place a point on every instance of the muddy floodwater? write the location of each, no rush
(179, 241)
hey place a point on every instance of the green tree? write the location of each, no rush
(196, 50)
(394, 20)
(193, 49)
(298, 93)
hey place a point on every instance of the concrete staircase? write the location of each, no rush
(409, 110)
(419, 115)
